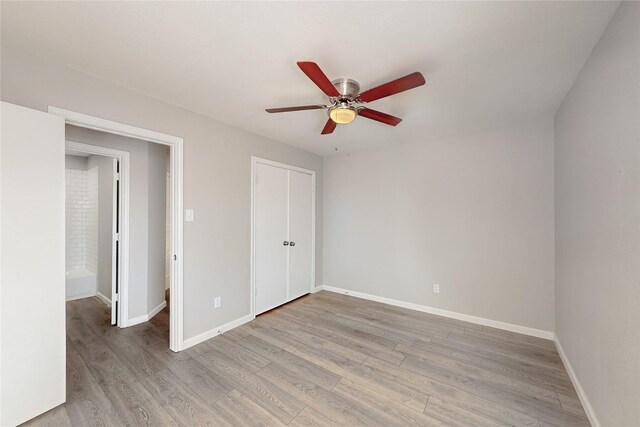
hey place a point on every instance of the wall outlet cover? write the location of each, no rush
(436, 288)
(188, 215)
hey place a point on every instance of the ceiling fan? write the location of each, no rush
(345, 98)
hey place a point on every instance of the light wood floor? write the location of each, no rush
(325, 359)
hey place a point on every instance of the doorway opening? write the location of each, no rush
(95, 197)
(170, 276)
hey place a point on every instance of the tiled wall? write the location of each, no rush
(91, 260)
(75, 217)
(81, 219)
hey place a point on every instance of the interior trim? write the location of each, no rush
(190, 342)
(148, 316)
(591, 414)
(103, 298)
(540, 333)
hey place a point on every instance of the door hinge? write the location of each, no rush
(117, 176)
(117, 237)
(116, 298)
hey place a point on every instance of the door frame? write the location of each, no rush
(254, 162)
(116, 224)
(123, 257)
(176, 146)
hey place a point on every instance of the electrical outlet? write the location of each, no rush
(436, 289)
(217, 302)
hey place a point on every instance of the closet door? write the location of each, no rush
(270, 219)
(300, 233)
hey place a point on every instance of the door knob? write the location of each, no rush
(285, 243)
(292, 243)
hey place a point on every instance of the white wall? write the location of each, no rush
(157, 224)
(81, 227)
(32, 346)
(217, 178)
(597, 198)
(75, 213)
(104, 166)
(91, 220)
(75, 162)
(473, 214)
(81, 214)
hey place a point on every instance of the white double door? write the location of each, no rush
(283, 233)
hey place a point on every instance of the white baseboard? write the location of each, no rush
(148, 316)
(157, 310)
(104, 298)
(190, 342)
(593, 419)
(317, 289)
(446, 313)
(80, 296)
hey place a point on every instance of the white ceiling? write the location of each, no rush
(486, 64)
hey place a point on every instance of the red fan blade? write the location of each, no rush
(378, 116)
(329, 127)
(399, 85)
(287, 109)
(316, 75)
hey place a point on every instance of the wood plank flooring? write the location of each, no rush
(324, 359)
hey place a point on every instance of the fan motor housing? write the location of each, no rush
(347, 88)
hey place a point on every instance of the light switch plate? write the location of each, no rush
(188, 215)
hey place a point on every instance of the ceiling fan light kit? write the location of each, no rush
(345, 98)
(343, 114)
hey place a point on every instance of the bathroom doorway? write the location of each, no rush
(96, 195)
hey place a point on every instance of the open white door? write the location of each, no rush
(32, 266)
(115, 243)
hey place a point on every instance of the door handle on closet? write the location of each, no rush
(285, 243)
(292, 243)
